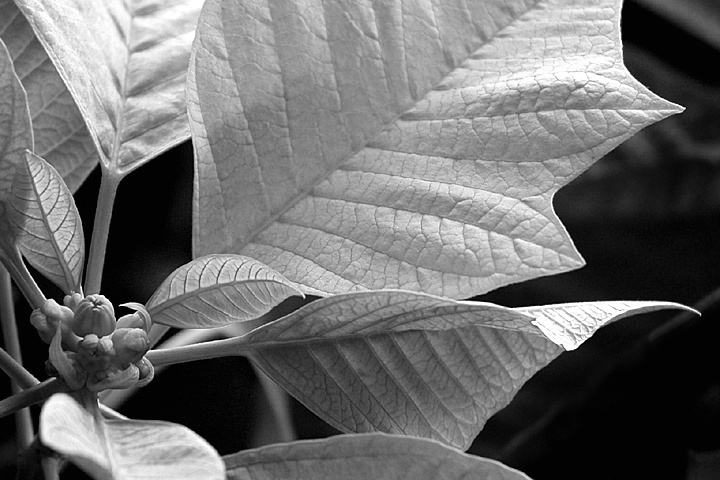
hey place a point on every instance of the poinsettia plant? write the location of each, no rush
(392, 158)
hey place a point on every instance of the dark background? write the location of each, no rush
(641, 399)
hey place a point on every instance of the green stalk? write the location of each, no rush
(37, 394)
(12, 261)
(228, 347)
(15, 371)
(24, 430)
(101, 230)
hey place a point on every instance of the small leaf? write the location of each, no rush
(61, 137)
(217, 290)
(406, 363)
(413, 145)
(570, 324)
(128, 78)
(126, 449)
(364, 457)
(47, 224)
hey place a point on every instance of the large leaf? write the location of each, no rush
(129, 75)
(364, 457)
(47, 223)
(61, 137)
(403, 145)
(15, 129)
(218, 290)
(407, 363)
(126, 449)
(16, 138)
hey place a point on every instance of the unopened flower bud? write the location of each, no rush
(139, 319)
(94, 314)
(130, 345)
(44, 327)
(71, 301)
(90, 342)
(147, 371)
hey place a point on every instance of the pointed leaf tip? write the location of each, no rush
(47, 223)
(571, 324)
(404, 147)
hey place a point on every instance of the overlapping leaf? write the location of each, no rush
(47, 223)
(217, 290)
(403, 145)
(15, 129)
(61, 137)
(126, 449)
(128, 76)
(407, 363)
(362, 457)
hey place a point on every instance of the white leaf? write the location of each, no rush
(216, 290)
(47, 224)
(126, 449)
(365, 457)
(61, 137)
(412, 145)
(124, 62)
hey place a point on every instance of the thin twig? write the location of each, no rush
(32, 395)
(24, 430)
(16, 372)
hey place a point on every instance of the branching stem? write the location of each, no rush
(101, 230)
(32, 395)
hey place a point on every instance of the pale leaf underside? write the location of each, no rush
(15, 132)
(407, 363)
(61, 137)
(47, 224)
(364, 457)
(351, 146)
(217, 290)
(128, 78)
(126, 449)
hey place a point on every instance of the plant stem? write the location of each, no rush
(12, 261)
(213, 349)
(16, 372)
(279, 401)
(24, 431)
(101, 230)
(32, 395)
(51, 467)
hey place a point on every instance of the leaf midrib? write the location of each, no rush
(304, 193)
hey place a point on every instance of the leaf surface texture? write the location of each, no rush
(61, 137)
(126, 449)
(128, 78)
(361, 457)
(407, 363)
(217, 290)
(47, 224)
(354, 145)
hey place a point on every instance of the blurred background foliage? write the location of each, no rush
(641, 399)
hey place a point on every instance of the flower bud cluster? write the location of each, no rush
(90, 348)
